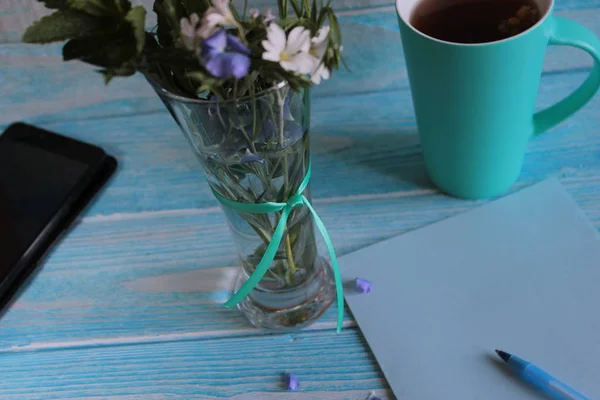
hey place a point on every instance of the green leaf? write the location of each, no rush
(336, 33)
(306, 8)
(62, 25)
(137, 18)
(322, 16)
(282, 6)
(207, 83)
(56, 4)
(297, 9)
(196, 6)
(313, 13)
(108, 51)
(126, 70)
(102, 8)
(168, 15)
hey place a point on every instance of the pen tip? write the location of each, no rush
(503, 355)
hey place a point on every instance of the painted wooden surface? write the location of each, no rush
(129, 304)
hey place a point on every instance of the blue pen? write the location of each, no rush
(540, 378)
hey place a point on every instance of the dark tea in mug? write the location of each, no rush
(474, 21)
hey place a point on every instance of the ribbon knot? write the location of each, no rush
(295, 200)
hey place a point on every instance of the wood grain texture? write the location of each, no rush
(156, 278)
(39, 87)
(17, 15)
(129, 305)
(366, 144)
(329, 366)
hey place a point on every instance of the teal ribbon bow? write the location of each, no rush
(296, 200)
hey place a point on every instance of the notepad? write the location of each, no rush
(520, 274)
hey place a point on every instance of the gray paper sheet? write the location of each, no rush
(521, 274)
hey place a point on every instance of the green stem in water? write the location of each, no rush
(288, 245)
(290, 258)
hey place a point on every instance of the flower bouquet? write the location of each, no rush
(237, 84)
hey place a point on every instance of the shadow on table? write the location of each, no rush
(391, 152)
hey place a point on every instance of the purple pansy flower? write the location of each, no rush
(363, 285)
(225, 55)
(291, 381)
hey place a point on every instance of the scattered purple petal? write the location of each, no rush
(363, 286)
(373, 397)
(250, 158)
(291, 381)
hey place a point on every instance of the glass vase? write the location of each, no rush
(256, 150)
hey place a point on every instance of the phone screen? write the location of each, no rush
(34, 183)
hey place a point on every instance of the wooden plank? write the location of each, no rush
(366, 144)
(163, 276)
(17, 15)
(39, 87)
(329, 367)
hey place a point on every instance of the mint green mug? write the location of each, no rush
(474, 103)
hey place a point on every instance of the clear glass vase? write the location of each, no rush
(256, 150)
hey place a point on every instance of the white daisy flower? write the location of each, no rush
(318, 48)
(188, 29)
(291, 52)
(269, 16)
(217, 15)
(318, 44)
(322, 73)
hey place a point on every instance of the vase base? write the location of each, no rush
(303, 305)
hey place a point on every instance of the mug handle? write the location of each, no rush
(570, 33)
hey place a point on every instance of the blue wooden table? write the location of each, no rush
(129, 305)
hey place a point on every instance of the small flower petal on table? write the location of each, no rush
(291, 381)
(363, 286)
(372, 396)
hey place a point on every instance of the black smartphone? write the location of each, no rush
(46, 180)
